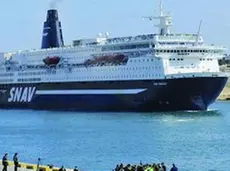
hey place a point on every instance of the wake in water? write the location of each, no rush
(178, 120)
(188, 116)
(209, 112)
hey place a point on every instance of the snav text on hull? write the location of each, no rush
(149, 72)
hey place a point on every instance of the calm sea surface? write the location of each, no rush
(98, 141)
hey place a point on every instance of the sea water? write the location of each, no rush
(98, 141)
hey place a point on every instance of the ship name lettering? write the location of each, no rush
(160, 84)
(21, 94)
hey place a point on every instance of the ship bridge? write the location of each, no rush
(179, 39)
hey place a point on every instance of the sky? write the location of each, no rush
(22, 20)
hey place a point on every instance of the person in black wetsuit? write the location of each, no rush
(4, 162)
(15, 159)
(174, 168)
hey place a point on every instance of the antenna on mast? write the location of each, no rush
(198, 33)
(165, 21)
(161, 8)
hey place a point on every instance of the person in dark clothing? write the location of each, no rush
(174, 168)
(75, 168)
(155, 167)
(4, 162)
(50, 166)
(159, 166)
(127, 167)
(117, 168)
(141, 163)
(121, 168)
(15, 159)
(140, 168)
(62, 169)
(163, 166)
(38, 164)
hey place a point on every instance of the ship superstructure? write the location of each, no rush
(149, 72)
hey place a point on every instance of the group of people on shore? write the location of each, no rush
(16, 163)
(146, 167)
(119, 167)
(5, 162)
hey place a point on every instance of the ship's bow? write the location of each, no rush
(191, 93)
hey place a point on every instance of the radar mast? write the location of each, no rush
(165, 21)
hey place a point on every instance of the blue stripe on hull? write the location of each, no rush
(155, 95)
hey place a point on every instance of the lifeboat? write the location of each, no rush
(52, 60)
(120, 57)
(106, 59)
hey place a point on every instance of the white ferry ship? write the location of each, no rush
(151, 72)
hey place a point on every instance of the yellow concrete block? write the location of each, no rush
(22, 165)
(31, 166)
(44, 168)
(10, 163)
(55, 169)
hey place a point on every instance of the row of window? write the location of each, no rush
(124, 47)
(126, 68)
(105, 64)
(181, 59)
(6, 74)
(206, 59)
(31, 73)
(36, 66)
(134, 54)
(59, 52)
(174, 59)
(143, 60)
(190, 67)
(97, 70)
(135, 46)
(187, 51)
(94, 77)
(131, 38)
(110, 77)
(176, 43)
(29, 80)
(6, 80)
(133, 68)
(37, 73)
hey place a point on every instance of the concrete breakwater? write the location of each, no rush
(30, 167)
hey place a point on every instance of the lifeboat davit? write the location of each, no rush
(52, 60)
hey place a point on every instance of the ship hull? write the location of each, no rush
(139, 96)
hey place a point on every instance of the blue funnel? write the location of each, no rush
(52, 31)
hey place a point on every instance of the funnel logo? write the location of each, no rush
(45, 34)
(22, 95)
